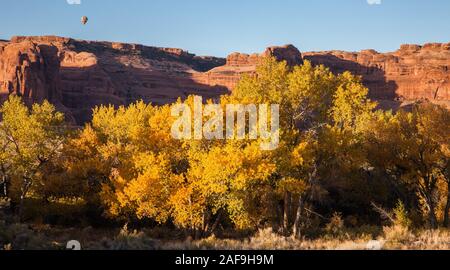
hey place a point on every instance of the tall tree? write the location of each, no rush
(412, 147)
(30, 139)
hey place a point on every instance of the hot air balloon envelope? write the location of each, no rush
(84, 20)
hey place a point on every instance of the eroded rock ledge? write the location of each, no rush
(77, 75)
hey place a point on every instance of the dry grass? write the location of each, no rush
(392, 238)
(398, 238)
(267, 240)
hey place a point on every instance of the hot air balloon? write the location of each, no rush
(84, 20)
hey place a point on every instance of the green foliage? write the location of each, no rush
(401, 216)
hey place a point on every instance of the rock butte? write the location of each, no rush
(77, 75)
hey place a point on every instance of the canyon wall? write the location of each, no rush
(413, 72)
(78, 75)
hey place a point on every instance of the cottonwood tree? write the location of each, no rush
(412, 147)
(79, 170)
(196, 184)
(434, 124)
(30, 138)
(312, 100)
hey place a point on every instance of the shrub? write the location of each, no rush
(401, 216)
(126, 240)
(336, 225)
(22, 237)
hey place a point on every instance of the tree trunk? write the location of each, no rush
(432, 214)
(278, 223)
(298, 216)
(427, 190)
(27, 182)
(447, 207)
(206, 218)
(5, 186)
(286, 211)
(216, 223)
(191, 219)
(5, 181)
(197, 234)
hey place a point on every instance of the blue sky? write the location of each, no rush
(219, 27)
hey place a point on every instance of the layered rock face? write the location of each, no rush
(411, 73)
(78, 75)
(238, 64)
(29, 70)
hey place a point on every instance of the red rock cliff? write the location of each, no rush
(78, 75)
(30, 70)
(411, 73)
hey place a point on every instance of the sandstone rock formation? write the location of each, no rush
(287, 53)
(238, 64)
(31, 70)
(78, 75)
(411, 73)
(82, 74)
